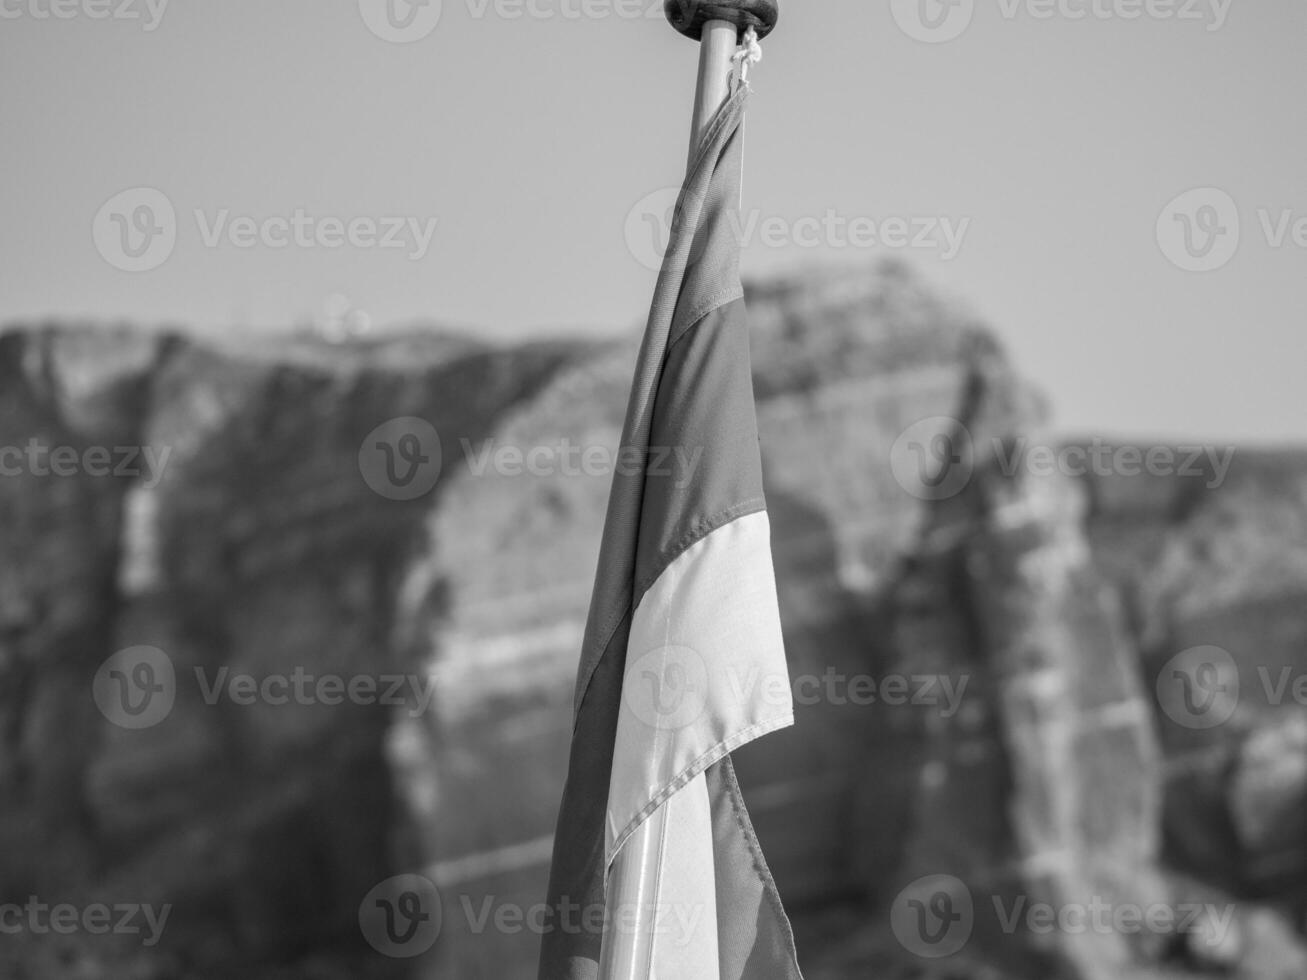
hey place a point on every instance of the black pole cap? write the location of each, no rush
(689, 16)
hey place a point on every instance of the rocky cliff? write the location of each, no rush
(1037, 679)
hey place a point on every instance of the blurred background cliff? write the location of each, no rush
(1053, 603)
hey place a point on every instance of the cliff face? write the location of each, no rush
(998, 694)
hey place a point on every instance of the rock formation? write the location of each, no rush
(987, 648)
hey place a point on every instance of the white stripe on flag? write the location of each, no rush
(705, 671)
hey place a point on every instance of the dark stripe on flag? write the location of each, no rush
(704, 411)
(754, 938)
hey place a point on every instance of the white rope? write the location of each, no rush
(749, 53)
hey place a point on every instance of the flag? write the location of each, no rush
(657, 873)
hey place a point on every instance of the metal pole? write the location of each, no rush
(716, 49)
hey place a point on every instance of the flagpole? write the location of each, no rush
(718, 26)
(716, 51)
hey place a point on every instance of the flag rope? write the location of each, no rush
(750, 53)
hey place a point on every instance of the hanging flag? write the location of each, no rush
(657, 874)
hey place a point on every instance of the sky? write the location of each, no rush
(1118, 187)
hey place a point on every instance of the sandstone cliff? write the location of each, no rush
(984, 646)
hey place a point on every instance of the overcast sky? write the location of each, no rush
(495, 165)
